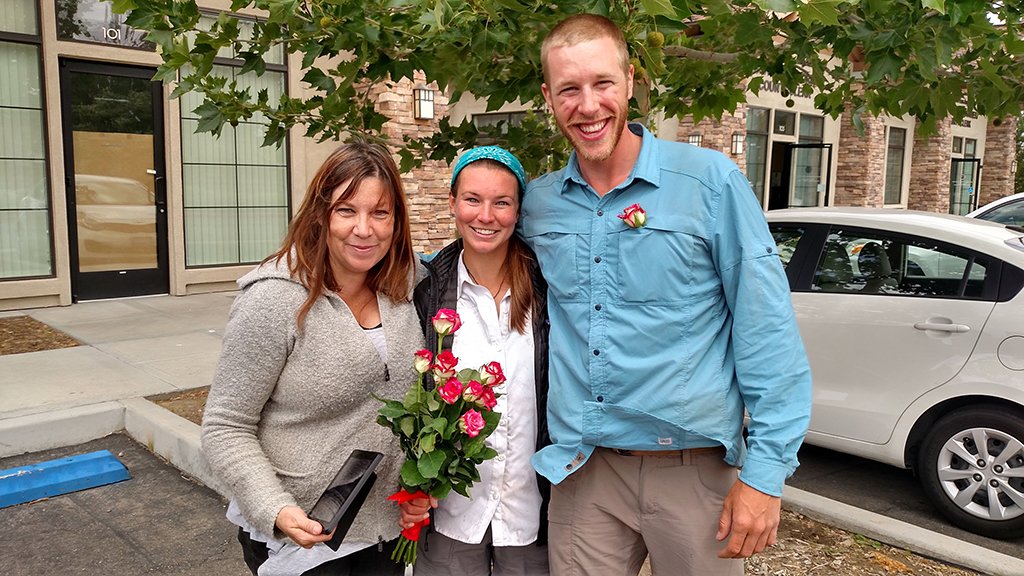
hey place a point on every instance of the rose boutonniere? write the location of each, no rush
(634, 216)
(442, 431)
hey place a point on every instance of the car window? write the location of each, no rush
(855, 262)
(1009, 213)
(786, 240)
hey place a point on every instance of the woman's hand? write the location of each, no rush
(415, 511)
(296, 525)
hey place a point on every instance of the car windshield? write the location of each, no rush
(1009, 213)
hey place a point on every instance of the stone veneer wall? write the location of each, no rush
(860, 163)
(717, 135)
(930, 165)
(426, 187)
(1000, 153)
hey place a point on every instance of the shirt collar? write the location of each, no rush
(646, 167)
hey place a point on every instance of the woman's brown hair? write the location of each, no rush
(517, 261)
(305, 246)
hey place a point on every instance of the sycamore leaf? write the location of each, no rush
(658, 8)
(777, 5)
(823, 11)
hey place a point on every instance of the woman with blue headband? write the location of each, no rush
(490, 277)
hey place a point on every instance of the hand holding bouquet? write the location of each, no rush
(442, 430)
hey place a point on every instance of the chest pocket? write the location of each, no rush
(561, 250)
(659, 262)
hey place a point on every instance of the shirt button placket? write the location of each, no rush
(599, 280)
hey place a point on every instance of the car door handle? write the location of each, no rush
(939, 327)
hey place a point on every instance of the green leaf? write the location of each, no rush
(658, 8)
(937, 5)
(408, 426)
(430, 463)
(316, 78)
(487, 453)
(821, 11)
(393, 409)
(427, 442)
(411, 475)
(777, 5)
(210, 118)
(122, 6)
(441, 490)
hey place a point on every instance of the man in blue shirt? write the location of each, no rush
(670, 316)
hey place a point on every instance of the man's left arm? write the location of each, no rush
(771, 368)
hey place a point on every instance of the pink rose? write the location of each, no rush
(473, 392)
(451, 390)
(444, 366)
(446, 321)
(489, 399)
(634, 216)
(471, 423)
(491, 374)
(421, 361)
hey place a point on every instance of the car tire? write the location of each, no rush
(961, 478)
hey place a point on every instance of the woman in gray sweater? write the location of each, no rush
(318, 328)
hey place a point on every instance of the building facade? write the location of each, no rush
(106, 189)
(795, 156)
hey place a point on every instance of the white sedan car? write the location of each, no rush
(1006, 210)
(914, 325)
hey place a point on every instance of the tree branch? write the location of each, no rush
(683, 52)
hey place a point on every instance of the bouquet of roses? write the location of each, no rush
(441, 430)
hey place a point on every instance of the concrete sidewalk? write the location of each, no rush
(132, 348)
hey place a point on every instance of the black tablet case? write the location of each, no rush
(351, 485)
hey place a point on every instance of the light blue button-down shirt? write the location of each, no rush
(662, 335)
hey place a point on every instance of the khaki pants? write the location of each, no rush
(607, 517)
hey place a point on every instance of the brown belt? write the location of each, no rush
(690, 451)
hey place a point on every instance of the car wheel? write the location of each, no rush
(971, 466)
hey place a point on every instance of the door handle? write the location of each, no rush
(940, 327)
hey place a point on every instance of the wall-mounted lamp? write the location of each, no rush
(737, 143)
(423, 99)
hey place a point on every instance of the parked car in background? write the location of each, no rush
(1007, 210)
(914, 326)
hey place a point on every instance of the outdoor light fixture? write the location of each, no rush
(737, 143)
(423, 98)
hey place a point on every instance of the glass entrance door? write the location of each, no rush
(113, 155)
(810, 175)
(964, 174)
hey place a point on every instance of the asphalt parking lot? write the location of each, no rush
(157, 522)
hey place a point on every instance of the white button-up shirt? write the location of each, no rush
(506, 498)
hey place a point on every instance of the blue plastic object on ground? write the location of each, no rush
(60, 476)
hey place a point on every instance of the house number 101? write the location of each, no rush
(112, 34)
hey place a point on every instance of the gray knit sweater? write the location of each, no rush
(286, 408)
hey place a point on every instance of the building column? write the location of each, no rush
(1000, 153)
(426, 187)
(860, 163)
(929, 170)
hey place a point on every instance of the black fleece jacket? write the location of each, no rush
(439, 290)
